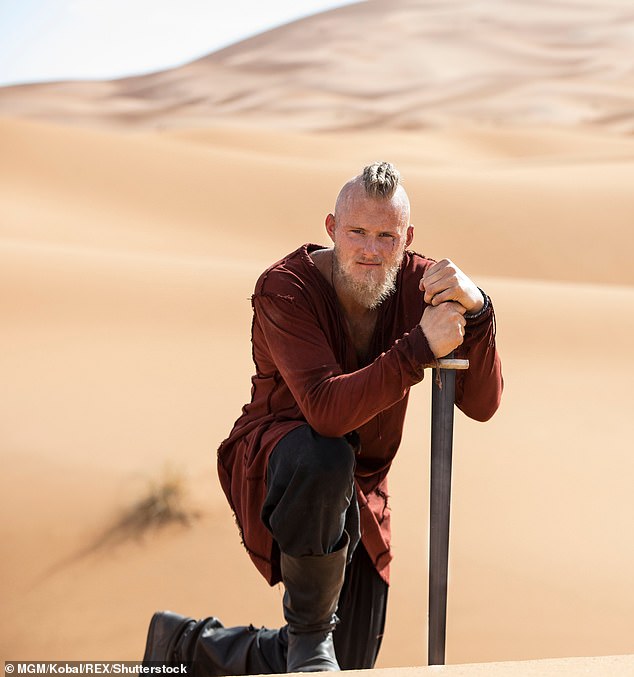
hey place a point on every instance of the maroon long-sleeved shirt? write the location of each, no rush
(307, 370)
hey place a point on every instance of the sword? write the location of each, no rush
(442, 409)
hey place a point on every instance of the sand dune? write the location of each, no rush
(135, 216)
(553, 62)
(171, 193)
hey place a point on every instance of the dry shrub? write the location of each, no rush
(164, 503)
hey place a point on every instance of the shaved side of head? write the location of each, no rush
(379, 181)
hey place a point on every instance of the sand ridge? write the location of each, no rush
(564, 63)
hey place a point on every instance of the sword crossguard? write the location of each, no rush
(452, 363)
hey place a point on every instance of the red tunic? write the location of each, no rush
(307, 370)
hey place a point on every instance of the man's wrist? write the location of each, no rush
(479, 313)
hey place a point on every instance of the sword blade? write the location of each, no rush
(440, 500)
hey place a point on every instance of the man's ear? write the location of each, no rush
(410, 235)
(330, 226)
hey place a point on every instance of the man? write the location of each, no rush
(339, 336)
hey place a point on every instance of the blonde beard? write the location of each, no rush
(367, 293)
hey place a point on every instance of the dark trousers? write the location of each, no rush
(310, 501)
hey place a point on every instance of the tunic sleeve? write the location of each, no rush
(334, 403)
(479, 388)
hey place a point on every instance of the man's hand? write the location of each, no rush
(443, 327)
(444, 281)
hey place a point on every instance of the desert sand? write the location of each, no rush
(128, 253)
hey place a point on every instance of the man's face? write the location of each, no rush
(370, 236)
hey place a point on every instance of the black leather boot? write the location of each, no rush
(313, 584)
(211, 649)
(166, 628)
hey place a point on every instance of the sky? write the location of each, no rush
(43, 40)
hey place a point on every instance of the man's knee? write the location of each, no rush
(316, 458)
(332, 457)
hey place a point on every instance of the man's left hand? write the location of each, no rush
(444, 281)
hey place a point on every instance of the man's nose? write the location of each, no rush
(371, 246)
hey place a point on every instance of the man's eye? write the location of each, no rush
(387, 235)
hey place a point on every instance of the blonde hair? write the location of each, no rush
(381, 179)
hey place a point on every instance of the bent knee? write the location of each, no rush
(332, 456)
(310, 458)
